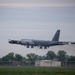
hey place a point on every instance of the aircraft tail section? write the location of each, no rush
(56, 36)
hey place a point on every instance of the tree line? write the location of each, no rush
(50, 55)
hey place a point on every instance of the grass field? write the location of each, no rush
(36, 71)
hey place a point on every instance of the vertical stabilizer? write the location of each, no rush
(56, 36)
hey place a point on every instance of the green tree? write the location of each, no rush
(41, 57)
(18, 57)
(32, 57)
(24, 59)
(71, 58)
(61, 55)
(9, 57)
(0, 59)
(50, 55)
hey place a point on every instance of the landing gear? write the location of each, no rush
(32, 46)
(45, 47)
(27, 46)
(40, 47)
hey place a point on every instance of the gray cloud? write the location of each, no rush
(32, 3)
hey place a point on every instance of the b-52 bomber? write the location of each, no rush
(41, 43)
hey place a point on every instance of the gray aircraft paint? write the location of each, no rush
(41, 43)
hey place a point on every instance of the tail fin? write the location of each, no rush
(56, 36)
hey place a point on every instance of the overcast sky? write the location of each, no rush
(33, 3)
(36, 19)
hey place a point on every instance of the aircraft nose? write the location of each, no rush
(14, 42)
(10, 41)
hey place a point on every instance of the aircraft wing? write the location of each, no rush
(39, 43)
(66, 43)
(30, 42)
